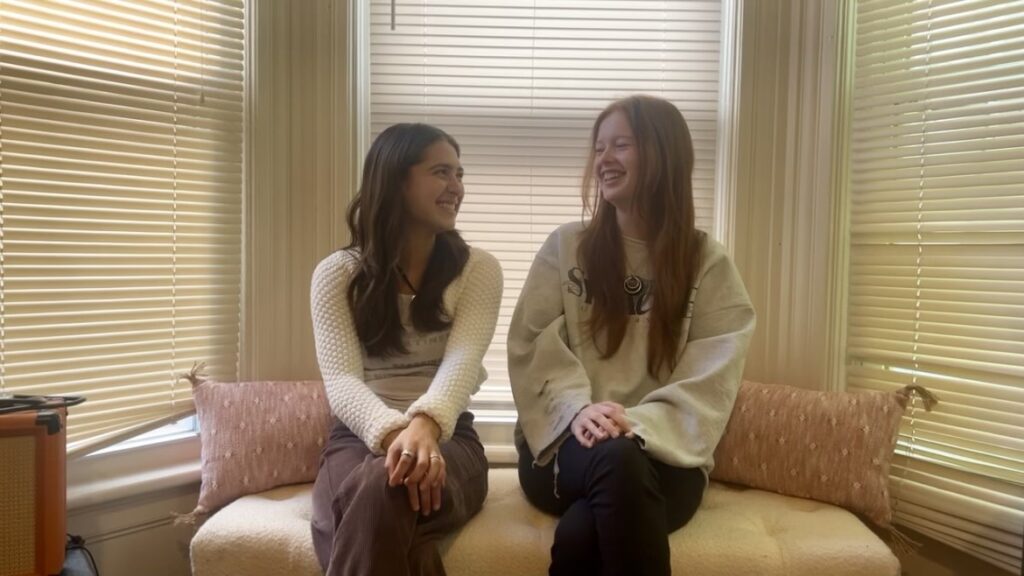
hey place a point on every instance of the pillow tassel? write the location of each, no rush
(193, 519)
(900, 543)
(197, 375)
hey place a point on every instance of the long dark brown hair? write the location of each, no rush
(664, 200)
(376, 219)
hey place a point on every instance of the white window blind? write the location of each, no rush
(936, 279)
(120, 203)
(519, 85)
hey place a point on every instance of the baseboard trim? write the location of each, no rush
(129, 530)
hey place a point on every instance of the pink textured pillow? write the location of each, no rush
(258, 435)
(835, 447)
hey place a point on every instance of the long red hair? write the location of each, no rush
(664, 200)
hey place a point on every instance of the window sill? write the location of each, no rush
(129, 471)
(495, 432)
(132, 471)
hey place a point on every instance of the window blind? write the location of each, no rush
(519, 85)
(936, 278)
(120, 203)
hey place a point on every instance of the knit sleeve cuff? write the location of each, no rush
(444, 416)
(381, 427)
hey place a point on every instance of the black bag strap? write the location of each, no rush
(21, 403)
(74, 544)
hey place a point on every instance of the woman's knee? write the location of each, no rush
(367, 488)
(621, 466)
(622, 455)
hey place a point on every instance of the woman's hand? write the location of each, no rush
(599, 422)
(414, 459)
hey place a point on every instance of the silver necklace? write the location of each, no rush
(632, 285)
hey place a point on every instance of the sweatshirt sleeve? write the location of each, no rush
(474, 315)
(549, 384)
(339, 354)
(681, 422)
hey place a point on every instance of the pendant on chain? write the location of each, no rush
(632, 285)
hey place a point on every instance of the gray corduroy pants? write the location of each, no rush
(363, 527)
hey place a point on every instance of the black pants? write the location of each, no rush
(617, 505)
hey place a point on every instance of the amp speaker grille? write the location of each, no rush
(18, 505)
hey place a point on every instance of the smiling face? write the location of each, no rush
(616, 161)
(433, 189)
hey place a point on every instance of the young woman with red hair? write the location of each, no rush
(626, 351)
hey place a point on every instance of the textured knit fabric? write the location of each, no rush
(471, 301)
(257, 435)
(556, 370)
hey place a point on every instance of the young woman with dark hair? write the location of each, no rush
(626, 351)
(402, 318)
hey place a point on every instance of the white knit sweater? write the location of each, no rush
(471, 300)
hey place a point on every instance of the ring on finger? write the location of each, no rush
(408, 454)
(435, 456)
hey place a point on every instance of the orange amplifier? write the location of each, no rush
(33, 499)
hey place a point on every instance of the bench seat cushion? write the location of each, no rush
(736, 531)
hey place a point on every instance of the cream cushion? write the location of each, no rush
(737, 531)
